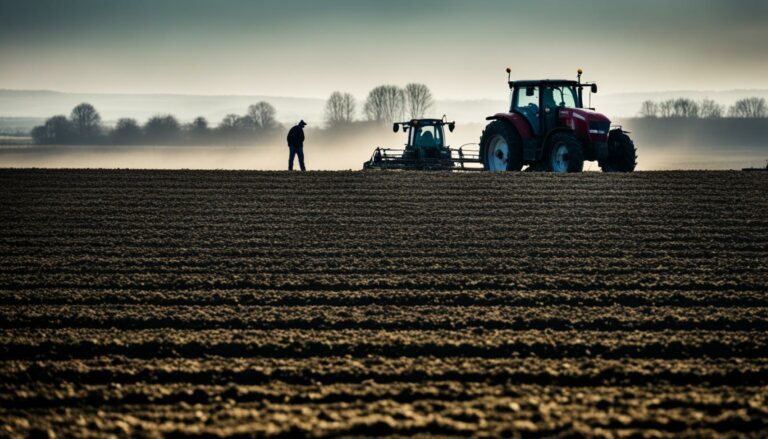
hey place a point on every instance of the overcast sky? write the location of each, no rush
(312, 47)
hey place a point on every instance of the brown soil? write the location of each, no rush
(145, 303)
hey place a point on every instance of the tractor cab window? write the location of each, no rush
(528, 97)
(527, 104)
(429, 136)
(564, 96)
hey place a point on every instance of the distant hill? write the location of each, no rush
(36, 104)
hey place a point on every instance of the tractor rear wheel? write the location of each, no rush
(622, 154)
(564, 153)
(501, 148)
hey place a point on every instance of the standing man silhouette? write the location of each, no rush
(296, 145)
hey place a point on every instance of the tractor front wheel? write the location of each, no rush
(564, 154)
(501, 148)
(622, 154)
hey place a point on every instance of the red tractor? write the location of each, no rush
(548, 129)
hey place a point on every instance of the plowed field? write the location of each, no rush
(142, 303)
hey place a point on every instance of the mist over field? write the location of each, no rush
(323, 151)
(662, 145)
(672, 143)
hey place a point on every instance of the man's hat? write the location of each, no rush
(302, 123)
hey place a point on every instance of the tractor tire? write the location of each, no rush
(564, 153)
(501, 148)
(622, 154)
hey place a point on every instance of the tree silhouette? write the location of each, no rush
(339, 109)
(162, 129)
(86, 120)
(245, 123)
(666, 108)
(197, 131)
(649, 109)
(385, 103)
(753, 107)
(200, 124)
(418, 100)
(709, 109)
(684, 107)
(229, 122)
(56, 130)
(126, 132)
(263, 115)
(39, 135)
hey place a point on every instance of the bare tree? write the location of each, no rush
(229, 122)
(709, 109)
(339, 109)
(418, 100)
(86, 120)
(649, 109)
(385, 103)
(749, 107)
(263, 115)
(684, 107)
(666, 108)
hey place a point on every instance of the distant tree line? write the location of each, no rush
(84, 126)
(384, 104)
(751, 108)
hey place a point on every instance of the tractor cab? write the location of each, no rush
(539, 102)
(425, 136)
(550, 106)
(425, 148)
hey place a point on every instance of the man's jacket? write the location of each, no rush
(296, 137)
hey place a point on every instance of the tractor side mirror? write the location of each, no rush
(395, 127)
(593, 88)
(529, 91)
(451, 126)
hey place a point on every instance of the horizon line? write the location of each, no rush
(224, 95)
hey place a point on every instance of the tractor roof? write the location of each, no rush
(531, 82)
(421, 122)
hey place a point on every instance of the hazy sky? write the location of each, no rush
(312, 47)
